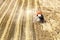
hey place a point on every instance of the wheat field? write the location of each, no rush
(16, 20)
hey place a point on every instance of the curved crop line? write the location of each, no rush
(7, 25)
(5, 11)
(17, 27)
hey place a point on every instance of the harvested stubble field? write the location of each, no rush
(16, 20)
